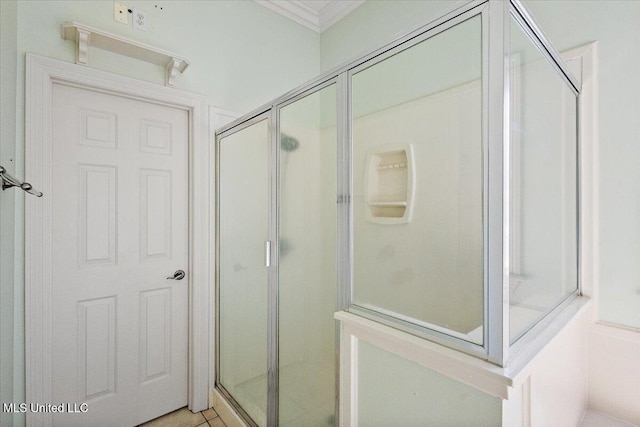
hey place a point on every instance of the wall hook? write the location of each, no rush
(8, 181)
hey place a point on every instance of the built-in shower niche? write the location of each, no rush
(389, 184)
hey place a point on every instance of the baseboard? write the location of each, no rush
(614, 379)
(597, 419)
(225, 410)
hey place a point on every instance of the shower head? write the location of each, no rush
(288, 143)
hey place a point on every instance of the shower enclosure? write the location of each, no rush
(431, 185)
(298, 235)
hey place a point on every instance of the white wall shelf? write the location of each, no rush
(86, 36)
(389, 184)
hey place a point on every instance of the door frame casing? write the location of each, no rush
(41, 74)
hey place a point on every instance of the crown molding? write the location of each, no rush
(318, 20)
(335, 11)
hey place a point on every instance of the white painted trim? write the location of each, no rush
(294, 10)
(616, 331)
(348, 380)
(593, 418)
(335, 11)
(41, 74)
(526, 403)
(317, 20)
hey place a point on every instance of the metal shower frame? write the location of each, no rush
(496, 348)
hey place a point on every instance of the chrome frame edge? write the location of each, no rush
(217, 260)
(485, 178)
(521, 14)
(273, 368)
(498, 129)
(343, 124)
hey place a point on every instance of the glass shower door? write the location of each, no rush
(243, 277)
(307, 288)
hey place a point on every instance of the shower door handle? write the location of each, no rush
(267, 253)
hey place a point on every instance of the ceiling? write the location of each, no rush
(315, 14)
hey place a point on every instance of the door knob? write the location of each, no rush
(178, 275)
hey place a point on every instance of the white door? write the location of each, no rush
(120, 228)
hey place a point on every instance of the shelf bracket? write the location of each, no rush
(82, 48)
(86, 36)
(171, 71)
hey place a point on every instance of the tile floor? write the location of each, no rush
(185, 418)
(307, 399)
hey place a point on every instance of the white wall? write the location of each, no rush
(241, 55)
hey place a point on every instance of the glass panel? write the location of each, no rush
(244, 201)
(393, 391)
(307, 268)
(543, 258)
(417, 184)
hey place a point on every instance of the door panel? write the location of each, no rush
(97, 347)
(243, 281)
(98, 214)
(155, 213)
(120, 228)
(155, 334)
